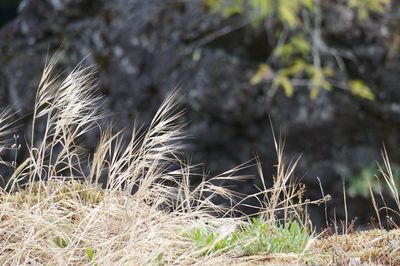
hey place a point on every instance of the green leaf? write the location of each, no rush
(309, 4)
(359, 88)
(284, 82)
(233, 7)
(301, 44)
(264, 7)
(285, 51)
(160, 258)
(298, 67)
(363, 8)
(327, 71)
(288, 15)
(60, 242)
(359, 185)
(89, 254)
(263, 71)
(326, 85)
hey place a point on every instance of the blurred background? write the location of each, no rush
(326, 72)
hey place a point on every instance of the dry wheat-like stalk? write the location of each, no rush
(53, 211)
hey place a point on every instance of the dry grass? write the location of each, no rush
(54, 211)
(65, 206)
(374, 247)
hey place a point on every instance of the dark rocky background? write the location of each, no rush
(144, 49)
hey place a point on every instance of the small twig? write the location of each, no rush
(345, 207)
(325, 206)
(219, 33)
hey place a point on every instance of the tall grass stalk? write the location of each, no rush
(123, 204)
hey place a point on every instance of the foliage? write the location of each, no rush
(288, 238)
(365, 7)
(160, 259)
(359, 185)
(209, 239)
(299, 52)
(89, 254)
(252, 238)
(359, 88)
(258, 10)
(368, 177)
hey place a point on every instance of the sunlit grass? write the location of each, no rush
(56, 210)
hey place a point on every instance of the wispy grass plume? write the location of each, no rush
(130, 202)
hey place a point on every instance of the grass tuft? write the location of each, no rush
(251, 238)
(131, 202)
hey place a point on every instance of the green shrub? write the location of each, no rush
(296, 58)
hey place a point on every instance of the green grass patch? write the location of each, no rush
(252, 238)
